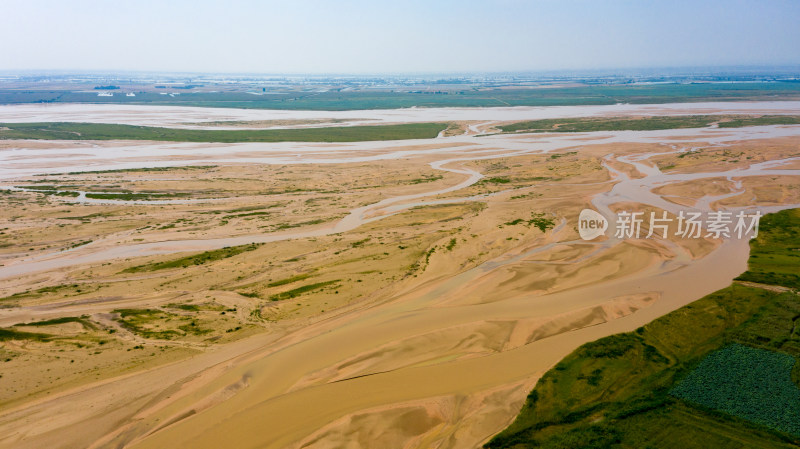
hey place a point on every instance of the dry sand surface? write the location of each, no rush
(382, 294)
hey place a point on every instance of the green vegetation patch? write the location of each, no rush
(304, 289)
(289, 280)
(68, 193)
(62, 320)
(106, 131)
(496, 180)
(144, 169)
(740, 122)
(499, 180)
(750, 383)
(574, 125)
(135, 196)
(154, 323)
(426, 178)
(62, 289)
(141, 322)
(209, 306)
(775, 253)
(11, 334)
(560, 155)
(282, 226)
(196, 259)
(537, 219)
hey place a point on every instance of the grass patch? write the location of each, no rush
(247, 214)
(105, 131)
(424, 179)
(11, 334)
(79, 243)
(143, 322)
(144, 170)
(537, 219)
(135, 196)
(282, 226)
(560, 155)
(301, 290)
(775, 253)
(740, 122)
(576, 125)
(360, 243)
(496, 180)
(68, 193)
(62, 289)
(209, 306)
(196, 259)
(288, 280)
(62, 320)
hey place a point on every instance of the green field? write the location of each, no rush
(104, 131)
(195, 259)
(775, 253)
(469, 96)
(573, 125)
(615, 392)
(733, 380)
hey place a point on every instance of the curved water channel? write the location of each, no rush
(477, 148)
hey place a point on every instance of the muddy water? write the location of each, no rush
(267, 416)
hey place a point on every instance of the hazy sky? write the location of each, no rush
(293, 36)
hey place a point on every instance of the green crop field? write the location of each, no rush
(751, 383)
(739, 122)
(615, 392)
(775, 253)
(644, 124)
(104, 131)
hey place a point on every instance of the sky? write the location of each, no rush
(399, 36)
